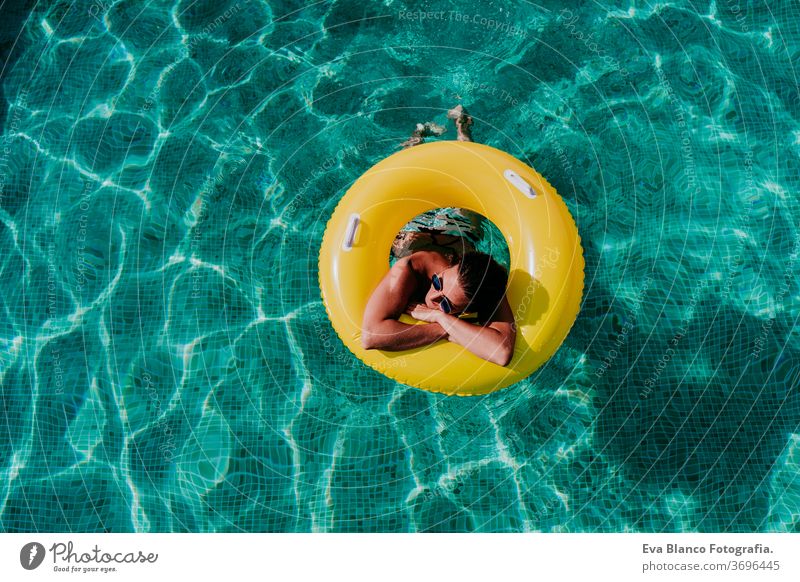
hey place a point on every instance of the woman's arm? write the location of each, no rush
(380, 329)
(493, 342)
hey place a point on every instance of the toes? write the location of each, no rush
(456, 112)
(430, 129)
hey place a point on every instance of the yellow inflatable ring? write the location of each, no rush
(545, 279)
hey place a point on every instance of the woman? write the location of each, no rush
(437, 276)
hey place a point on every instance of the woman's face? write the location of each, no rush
(450, 289)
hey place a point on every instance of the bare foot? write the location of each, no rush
(463, 122)
(430, 128)
(422, 131)
(412, 141)
(456, 112)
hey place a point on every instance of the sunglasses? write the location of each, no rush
(445, 304)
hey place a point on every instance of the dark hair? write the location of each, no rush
(484, 283)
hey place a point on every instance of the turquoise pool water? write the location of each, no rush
(168, 170)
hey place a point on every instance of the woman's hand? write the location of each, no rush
(424, 313)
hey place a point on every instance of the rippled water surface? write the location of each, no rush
(166, 173)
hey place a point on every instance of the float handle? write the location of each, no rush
(519, 183)
(350, 233)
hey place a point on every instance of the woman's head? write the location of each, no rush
(483, 281)
(476, 282)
